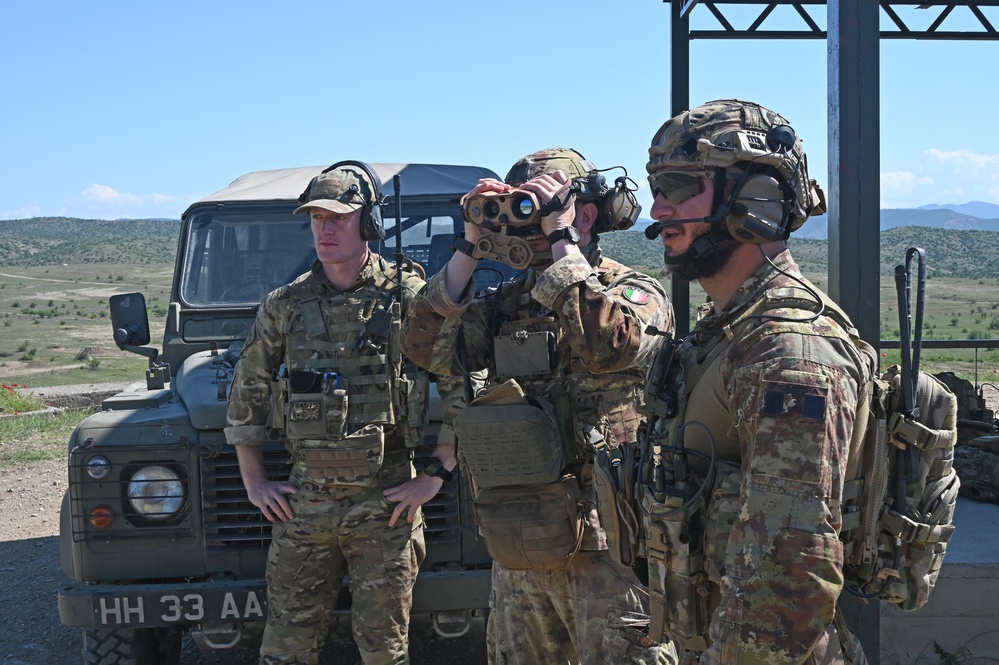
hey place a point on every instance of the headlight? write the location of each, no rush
(98, 467)
(156, 492)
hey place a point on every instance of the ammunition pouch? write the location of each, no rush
(678, 584)
(310, 405)
(613, 484)
(353, 461)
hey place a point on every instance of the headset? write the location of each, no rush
(762, 205)
(372, 226)
(619, 209)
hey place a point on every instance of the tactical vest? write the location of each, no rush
(529, 444)
(688, 504)
(346, 396)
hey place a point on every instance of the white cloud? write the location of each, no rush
(21, 213)
(965, 161)
(901, 184)
(104, 196)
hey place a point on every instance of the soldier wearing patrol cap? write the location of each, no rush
(307, 370)
(550, 437)
(751, 416)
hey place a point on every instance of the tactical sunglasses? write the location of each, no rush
(677, 186)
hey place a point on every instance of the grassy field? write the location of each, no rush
(55, 328)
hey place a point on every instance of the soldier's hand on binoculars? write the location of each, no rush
(484, 185)
(547, 187)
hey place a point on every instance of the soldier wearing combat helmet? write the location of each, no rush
(751, 416)
(307, 371)
(549, 439)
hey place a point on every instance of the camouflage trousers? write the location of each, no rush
(590, 613)
(338, 531)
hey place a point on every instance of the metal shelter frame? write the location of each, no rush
(853, 33)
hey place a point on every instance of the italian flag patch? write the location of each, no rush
(636, 296)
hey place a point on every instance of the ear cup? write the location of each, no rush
(758, 212)
(620, 209)
(372, 226)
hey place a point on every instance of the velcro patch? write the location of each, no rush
(637, 296)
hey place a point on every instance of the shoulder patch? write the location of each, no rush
(637, 296)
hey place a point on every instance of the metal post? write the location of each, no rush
(852, 44)
(679, 84)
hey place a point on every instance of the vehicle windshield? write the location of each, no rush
(236, 255)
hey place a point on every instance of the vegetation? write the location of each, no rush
(12, 401)
(56, 275)
(32, 438)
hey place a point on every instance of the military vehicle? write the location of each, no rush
(156, 532)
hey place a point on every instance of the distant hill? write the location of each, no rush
(937, 217)
(949, 253)
(973, 208)
(54, 240)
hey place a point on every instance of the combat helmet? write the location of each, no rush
(616, 205)
(730, 132)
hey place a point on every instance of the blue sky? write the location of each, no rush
(119, 109)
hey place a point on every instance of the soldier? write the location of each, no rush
(562, 349)
(760, 400)
(322, 364)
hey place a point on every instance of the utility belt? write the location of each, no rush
(529, 510)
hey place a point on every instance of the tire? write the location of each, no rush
(132, 646)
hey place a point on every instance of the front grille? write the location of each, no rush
(232, 523)
(440, 514)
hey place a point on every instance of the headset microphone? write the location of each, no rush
(655, 228)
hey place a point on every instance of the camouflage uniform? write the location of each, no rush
(590, 611)
(775, 406)
(338, 528)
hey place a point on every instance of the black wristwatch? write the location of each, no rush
(435, 468)
(459, 244)
(569, 233)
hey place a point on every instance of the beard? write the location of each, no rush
(689, 266)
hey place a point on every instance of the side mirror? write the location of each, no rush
(129, 320)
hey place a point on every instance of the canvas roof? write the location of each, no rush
(415, 180)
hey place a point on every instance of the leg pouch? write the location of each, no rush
(532, 527)
(353, 461)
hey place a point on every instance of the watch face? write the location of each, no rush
(432, 467)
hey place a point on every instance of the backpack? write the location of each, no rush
(898, 510)
(902, 488)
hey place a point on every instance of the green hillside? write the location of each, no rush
(56, 240)
(949, 253)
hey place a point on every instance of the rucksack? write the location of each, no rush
(902, 490)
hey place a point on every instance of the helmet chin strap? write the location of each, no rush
(705, 244)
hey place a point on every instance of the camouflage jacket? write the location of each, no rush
(778, 402)
(599, 310)
(267, 345)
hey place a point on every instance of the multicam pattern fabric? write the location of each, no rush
(602, 347)
(336, 529)
(779, 403)
(554, 616)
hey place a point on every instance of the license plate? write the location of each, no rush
(163, 609)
